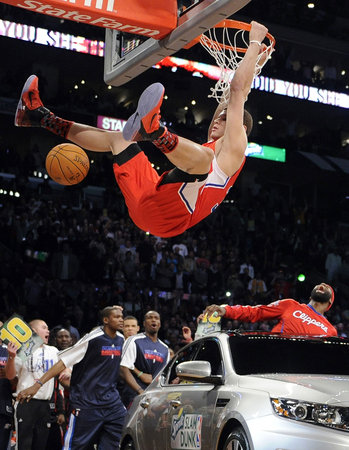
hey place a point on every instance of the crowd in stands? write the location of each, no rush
(328, 18)
(64, 262)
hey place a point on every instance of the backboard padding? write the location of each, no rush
(118, 70)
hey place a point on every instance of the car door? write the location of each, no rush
(191, 406)
(153, 415)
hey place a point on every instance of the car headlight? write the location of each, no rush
(315, 413)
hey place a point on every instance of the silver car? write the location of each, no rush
(246, 392)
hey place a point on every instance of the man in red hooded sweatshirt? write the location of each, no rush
(294, 318)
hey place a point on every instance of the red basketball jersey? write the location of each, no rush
(294, 318)
(167, 210)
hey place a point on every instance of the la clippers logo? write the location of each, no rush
(308, 320)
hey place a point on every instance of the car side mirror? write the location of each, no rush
(198, 371)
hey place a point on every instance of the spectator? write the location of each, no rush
(33, 420)
(343, 273)
(181, 248)
(200, 279)
(248, 266)
(257, 287)
(74, 332)
(130, 267)
(65, 264)
(332, 264)
(63, 339)
(189, 265)
(128, 250)
(145, 252)
(164, 276)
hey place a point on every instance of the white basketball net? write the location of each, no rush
(228, 58)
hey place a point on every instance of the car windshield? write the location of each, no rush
(269, 354)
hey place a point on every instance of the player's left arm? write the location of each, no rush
(144, 377)
(230, 149)
(126, 374)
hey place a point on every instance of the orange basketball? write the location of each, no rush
(67, 164)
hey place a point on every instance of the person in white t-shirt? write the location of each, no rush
(33, 420)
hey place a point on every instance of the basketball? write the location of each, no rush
(67, 164)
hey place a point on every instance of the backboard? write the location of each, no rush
(129, 55)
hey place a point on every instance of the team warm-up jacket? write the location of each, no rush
(294, 318)
(96, 362)
(148, 356)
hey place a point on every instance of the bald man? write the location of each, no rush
(33, 420)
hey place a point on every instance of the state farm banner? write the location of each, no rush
(109, 123)
(152, 18)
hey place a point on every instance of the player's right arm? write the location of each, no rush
(256, 313)
(97, 140)
(126, 374)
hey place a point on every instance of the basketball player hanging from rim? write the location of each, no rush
(169, 204)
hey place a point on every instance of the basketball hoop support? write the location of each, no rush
(118, 70)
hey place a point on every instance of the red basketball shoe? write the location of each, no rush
(30, 109)
(144, 124)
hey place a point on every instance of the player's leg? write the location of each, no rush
(145, 125)
(114, 418)
(84, 427)
(97, 140)
(32, 113)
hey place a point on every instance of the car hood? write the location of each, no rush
(329, 389)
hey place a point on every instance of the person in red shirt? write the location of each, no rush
(169, 204)
(294, 318)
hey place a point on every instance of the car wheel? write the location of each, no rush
(129, 445)
(237, 440)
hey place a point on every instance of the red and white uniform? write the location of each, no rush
(169, 209)
(294, 318)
